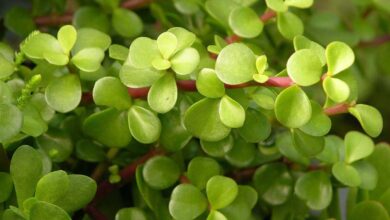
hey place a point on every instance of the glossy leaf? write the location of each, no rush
(277, 5)
(126, 23)
(161, 172)
(319, 123)
(88, 59)
(336, 89)
(218, 148)
(202, 120)
(292, 107)
(346, 174)
(162, 95)
(357, 146)
(130, 214)
(187, 202)
(301, 42)
(45, 210)
(201, 169)
(184, 38)
(215, 215)
(185, 61)
(11, 120)
(235, 64)
(109, 91)
(142, 52)
(63, 94)
(299, 3)
(138, 78)
(67, 36)
(91, 38)
(144, 125)
(167, 44)
(118, 52)
(52, 186)
(221, 191)
(209, 85)
(315, 188)
(369, 117)
(39, 44)
(304, 67)
(339, 57)
(289, 25)
(245, 22)
(231, 113)
(306, 144)
(256, 127)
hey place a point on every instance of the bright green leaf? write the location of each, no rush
(161, 172)
(88, 38)
(339, 57)
(336, 89)
(256, 127)
(109, 91)
(138, 78)
(221, 191)
(215, 215)
(142, 52)
(44, 210)
(144, 125)
(7, 67)
(218, 148)
(162, 95)
(319, 123)
(245, 22)
(372, 210)
(369, 117)
(11, 120)
(184, 38)
(277, 5)
(304, 67)
(301, 42)
(39, 44)
(346, 174)
(231, 113)
(357, 146)
(201, 169)
(299, 3)
(331, 152)
(88, 59)
(209, 85)
(67, 36)
(185, 61)
(130, 214)
(167, 44)
(367, 173)
(118, 52)
(289, 25)
(52, 186)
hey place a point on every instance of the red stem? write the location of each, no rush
(337, 109)
(375, 42)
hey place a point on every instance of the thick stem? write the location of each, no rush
(337, 109)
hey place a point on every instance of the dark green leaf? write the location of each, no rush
(52, 186)
(161, 172)
(126, 23)
(11, 120)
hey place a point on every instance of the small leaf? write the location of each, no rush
(220, 10)
(242, 154)
(88, 59)
(339, 57)
(256, 127)
(218, 148)
(215, 215)
(167, 43)
(56, 144)
(187, 202)
(109, 127)
(161, 64)
(11, 120)
(231, 113)
(277, 5)
(319, 123)
(109, 91)
(260, 78)
(130, 214)
(209, 85)
(7, 67)
(299, 3)
(336, 89)
(58, 59)
(261, 64)
(332, 148)
(289, 25)
(221, 191)
(184, 38)
(202, 120)
(301, 42)
(144, 125)
(63, 94)
(173, 136)
(185, 61)
(89, 151)
(245, 22)
(83, 19)
(306, 144)
(118, 52)
(39, 44)
(44, 210)
(6, 186)
(138, 78)
(369, 117)
(293, 107)
(162, 95)
(304, 67)
(286, 147)
(357, 146)
(52, 186)
(367, 173)
(142, 52)
(273, 182)
(236, 64)
(346, 174)
(67, 36)
(201, 169)
(372, 210)
(84, 36)
(161, 172)
(316, 188)
(126, 23)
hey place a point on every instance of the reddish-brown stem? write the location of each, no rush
(337, 109)
(375, 42)
(134, 4)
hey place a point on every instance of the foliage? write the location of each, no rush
(190, 109)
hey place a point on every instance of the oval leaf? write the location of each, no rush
(144, 125)
(231, 113)
(162, 95)
(304, 67)
(369, 117)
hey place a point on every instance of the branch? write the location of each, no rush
(55, 19)
(337, 109)
(375, 42)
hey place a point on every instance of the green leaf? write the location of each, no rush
(126, 23)
(315, 188)
(80, 192)
(242, 154)
(83, 19)
(372, 210)
(304, 67)
(202, 120)
(185, 61)
(6, 186)
(118, 52)
(187, 202)
(142, 52)
(215, 215)
(236, 64)
(11, 120)
(319, 123)
(52, 186)
(57, 145)
(138, 78)
(231, 113)
(10, 214)
(241, 207)
(336, 89)
(187, 7)
(277, 5)
(301, 42)
(367, 173)
(91, 38)
(273, 182)
(161, 64)
(173, 136)
(7, 67)
(44, 210)
(109, 127)
(88, 59)
(184, 38)
(220, 10)
(209, 85)
(245, 22)
(218, 148)
(144, 125)
(201, 169)
(379, 159)
(162, 95)
(293, 107)
(89, 151)
(109, 91)
(339, 57)
(37, 45)
(357, 146)
(67, 36)
(19, 20)
(161, 172)
(331, 152)
(261, 64)
(289, 25)
(299, 3)
(63, 94)
(286, 147)
(167, 44)
(369, 117)
(346, 174)
(25, 169)
(132, 213)
(306, 144)
(54, 58)
(221, 191)
(256, 127)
